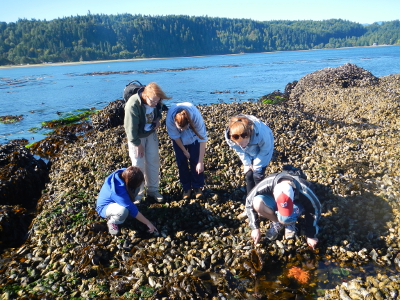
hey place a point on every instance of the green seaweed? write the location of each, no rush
(29, 145)
(34, 129)
(8, 119)
(70, 118)
(345, 272)
(336, 271)
(146, 291)
(274, 100)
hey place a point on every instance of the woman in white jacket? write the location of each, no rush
(186, 128)
(253, 141)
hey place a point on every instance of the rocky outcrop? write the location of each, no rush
(14, 223)
(345, 76)
(348, 93)
(110, 116)
(22, 175)
(22, 179)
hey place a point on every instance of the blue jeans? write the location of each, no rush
(270, 202)
(187, 170)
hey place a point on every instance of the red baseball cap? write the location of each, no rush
(284, 195)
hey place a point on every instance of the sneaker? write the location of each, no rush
(198, 193)
(290, 231)
(186, 194)
(112, 228)
(138, 199)
(156, 195)
(274, 231)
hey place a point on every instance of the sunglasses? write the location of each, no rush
(237, 136)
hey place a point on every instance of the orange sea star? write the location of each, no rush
(302, 276)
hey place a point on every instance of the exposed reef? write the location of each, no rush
(341, 126)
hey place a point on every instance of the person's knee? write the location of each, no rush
(257, 204)
(249, 176)
(258, 176)
(119, 214)
(263, 205)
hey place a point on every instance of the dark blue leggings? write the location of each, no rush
(253, 178)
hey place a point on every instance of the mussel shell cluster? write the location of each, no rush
(202, 250)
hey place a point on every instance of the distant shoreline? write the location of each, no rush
(156, 58)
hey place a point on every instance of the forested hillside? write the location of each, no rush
(103, 37)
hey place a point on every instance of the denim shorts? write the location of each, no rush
(270, 202)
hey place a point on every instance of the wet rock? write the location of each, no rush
(345, 76)
(22, 176)
(53, 145)
(110, 116)
(14, 223)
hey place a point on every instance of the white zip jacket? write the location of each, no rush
(187, 136)
(258, 152)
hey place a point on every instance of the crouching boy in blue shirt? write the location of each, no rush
(114, 202)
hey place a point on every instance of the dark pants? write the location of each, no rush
(188, 175)
(253, 178)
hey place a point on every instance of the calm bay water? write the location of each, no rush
(47, 92)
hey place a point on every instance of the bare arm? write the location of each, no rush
(144, 220)
(261, 210)
(200, 164)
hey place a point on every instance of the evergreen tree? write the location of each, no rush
(126, 36)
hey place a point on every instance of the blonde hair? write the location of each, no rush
(154, 90)
(182, 118)
(240, 125)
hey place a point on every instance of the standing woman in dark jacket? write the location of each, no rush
(143, 113)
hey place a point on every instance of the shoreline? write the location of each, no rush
(174, 57)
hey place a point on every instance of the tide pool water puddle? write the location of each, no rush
(303, 277)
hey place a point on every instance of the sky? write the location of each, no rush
(360, 11)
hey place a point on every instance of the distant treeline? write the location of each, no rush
(124, 36)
